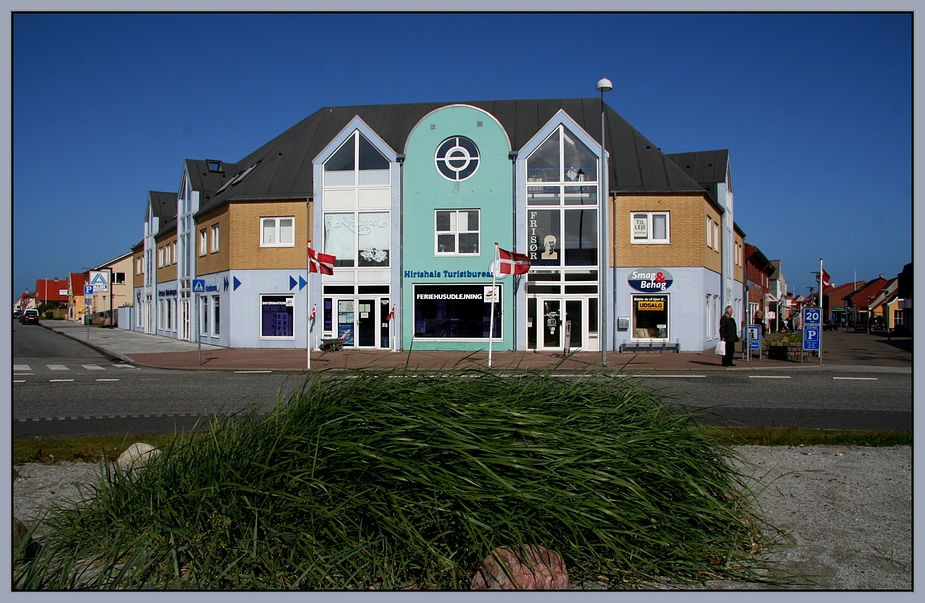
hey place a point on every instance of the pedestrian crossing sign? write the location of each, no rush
(199, 285)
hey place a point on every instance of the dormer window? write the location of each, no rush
(215, 165)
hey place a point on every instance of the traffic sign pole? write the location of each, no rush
(199, 286)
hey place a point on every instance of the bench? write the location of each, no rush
(332, 344)
(650, 346)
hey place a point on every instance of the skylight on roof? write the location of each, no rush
(215, 165)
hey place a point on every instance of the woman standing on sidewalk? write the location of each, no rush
(728, 333)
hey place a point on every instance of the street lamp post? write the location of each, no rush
(869, 297)
(604, 85)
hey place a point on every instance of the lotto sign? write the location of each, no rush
(811, 337)
(812, 316)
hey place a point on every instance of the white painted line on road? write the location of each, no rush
(57, 367)
(19, 380)
(856, 378)
(250, 372)
(769, 376)
(60, 380)
(128, 366)
(22, 367)
(669, 376)
(107, 380)
(93, 367)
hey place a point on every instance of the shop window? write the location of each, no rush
(457, 232)
(216, 316)
(203, 315)
(347, 232)
(277, 232)
(454, 312)
(650, 317)
(276, 316)
(650, 227)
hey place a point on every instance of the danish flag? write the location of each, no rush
(512, 262)
(826, 279)
(391, 314)
(312, 317)
(320, 262)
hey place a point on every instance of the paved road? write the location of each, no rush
(105, 390)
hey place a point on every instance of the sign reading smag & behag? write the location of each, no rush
(650, 279)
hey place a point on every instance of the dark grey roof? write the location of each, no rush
(163, 205)
(284, 164)
(706, 167)
(206, 180)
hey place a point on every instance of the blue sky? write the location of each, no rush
(815, 109)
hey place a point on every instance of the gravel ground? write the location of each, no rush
(847, 511)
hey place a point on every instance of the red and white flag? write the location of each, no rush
(312, 317)
(391, 314)
(320, 262)
(512, 262)
(826, 280)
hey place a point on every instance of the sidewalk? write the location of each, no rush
(842, 351)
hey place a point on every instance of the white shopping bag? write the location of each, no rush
(721, 348)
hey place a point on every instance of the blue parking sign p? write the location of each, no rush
(811, 337)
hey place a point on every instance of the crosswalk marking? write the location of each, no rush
(22, 367)
(126, 366)
(57, 367)
(93, 367)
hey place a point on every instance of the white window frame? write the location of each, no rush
(160, 257)
(709, 232)
(716, 236)
(215, 323)
(456, 232)
(649, 240)
(276, 220)
(203, 311)
(215, 233)
(203, 242)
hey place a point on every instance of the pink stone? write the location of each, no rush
(527, 567)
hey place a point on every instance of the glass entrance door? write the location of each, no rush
(362, 322)
(184, 320)
(366, 323)
(551, 320)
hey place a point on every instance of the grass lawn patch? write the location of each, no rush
(407, 481)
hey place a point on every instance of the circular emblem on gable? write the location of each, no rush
(457, 158)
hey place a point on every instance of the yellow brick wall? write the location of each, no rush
(138, 280)
(211, 263)
(243, 238)
(686, 224)
(167, 273)
(713, 259)
(739, 269)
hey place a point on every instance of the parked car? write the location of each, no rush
(16, 314)
(30, 316)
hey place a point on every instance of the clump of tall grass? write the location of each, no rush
(407, 481)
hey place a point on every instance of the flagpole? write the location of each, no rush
(491, 319)
(821, 309)
(308, 309)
